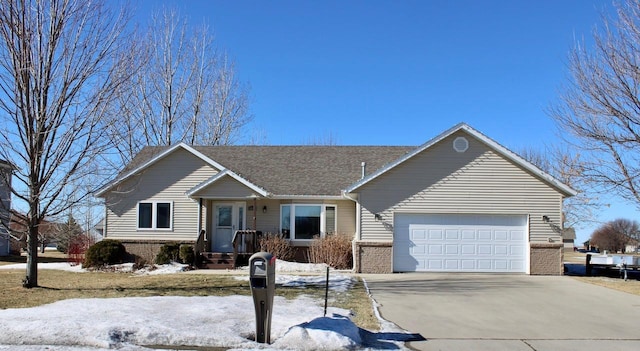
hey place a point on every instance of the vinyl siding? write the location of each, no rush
(167, 181)
(441, 180)
(226, 187)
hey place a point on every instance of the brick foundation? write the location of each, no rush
(373, 257)
(546, 259)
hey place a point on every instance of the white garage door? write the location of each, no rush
(459, 243)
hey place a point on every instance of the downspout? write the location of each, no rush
(106, 213)
(358, 235)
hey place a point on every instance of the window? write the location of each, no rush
(154, 215)
(303, 222)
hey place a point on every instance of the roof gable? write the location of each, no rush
(221, 175)
(501, 150)
(148, 157)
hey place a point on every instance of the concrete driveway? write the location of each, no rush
(508, 312)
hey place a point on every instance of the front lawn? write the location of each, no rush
(59, 285)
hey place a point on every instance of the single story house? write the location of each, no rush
(461, 202)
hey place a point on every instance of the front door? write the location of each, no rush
(228, 218)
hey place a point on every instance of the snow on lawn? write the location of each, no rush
(228, 322)
(205, 321)
(62, 266)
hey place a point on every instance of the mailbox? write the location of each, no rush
(262, 278)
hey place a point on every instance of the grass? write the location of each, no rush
(631, 286)
(55, 285)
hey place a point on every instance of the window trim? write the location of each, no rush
(154, 215)
(323, 219)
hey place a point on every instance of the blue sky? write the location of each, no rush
(401, 72)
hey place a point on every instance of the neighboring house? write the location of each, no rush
(47, 233)
(6, 169)
(459, 203)
(632, 246)
(568, 238)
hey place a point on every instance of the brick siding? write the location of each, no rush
(373, 257)
(546, 259)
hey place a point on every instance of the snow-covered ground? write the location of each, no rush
(226, 322)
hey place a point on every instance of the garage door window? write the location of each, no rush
(304, 222)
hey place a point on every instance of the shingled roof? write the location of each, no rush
(293, 170)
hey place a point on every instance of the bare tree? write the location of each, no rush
(615, 235)
(568, 168)
(599, 109)
(187, 91)
(329, 139)
(57, 60)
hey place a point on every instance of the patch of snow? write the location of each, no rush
(126, 323)
(63, 266)
(169, 268)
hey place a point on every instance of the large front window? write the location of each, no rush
(304, 222)
(154, 215)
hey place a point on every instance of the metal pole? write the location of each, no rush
(326, 293)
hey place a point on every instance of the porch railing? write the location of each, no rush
(245, 242)
(201, 242)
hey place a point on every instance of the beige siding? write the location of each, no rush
(441, 180)
(167, 180)
(226, 187)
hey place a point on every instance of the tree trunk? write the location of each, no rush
(31, 279)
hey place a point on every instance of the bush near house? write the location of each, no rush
(187, 254)
(105, 252)
(278, 246)
(334, 250)
(169, 252)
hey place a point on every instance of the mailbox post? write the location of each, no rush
(262, 278)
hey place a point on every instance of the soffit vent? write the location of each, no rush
(460, 144)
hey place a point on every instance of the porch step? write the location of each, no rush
(216, 260)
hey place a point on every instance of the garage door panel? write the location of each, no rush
(452, 234)
(468, 249)
(468, 234)
(501, 250)
(452, 265)
(419, 234)
(436, 234)
(517, 235)
(434, 265)
(477, 243)
(501, 265)
(484, 265)
(485, 250)
(484, 234)
(501, 235)
(468, 264)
